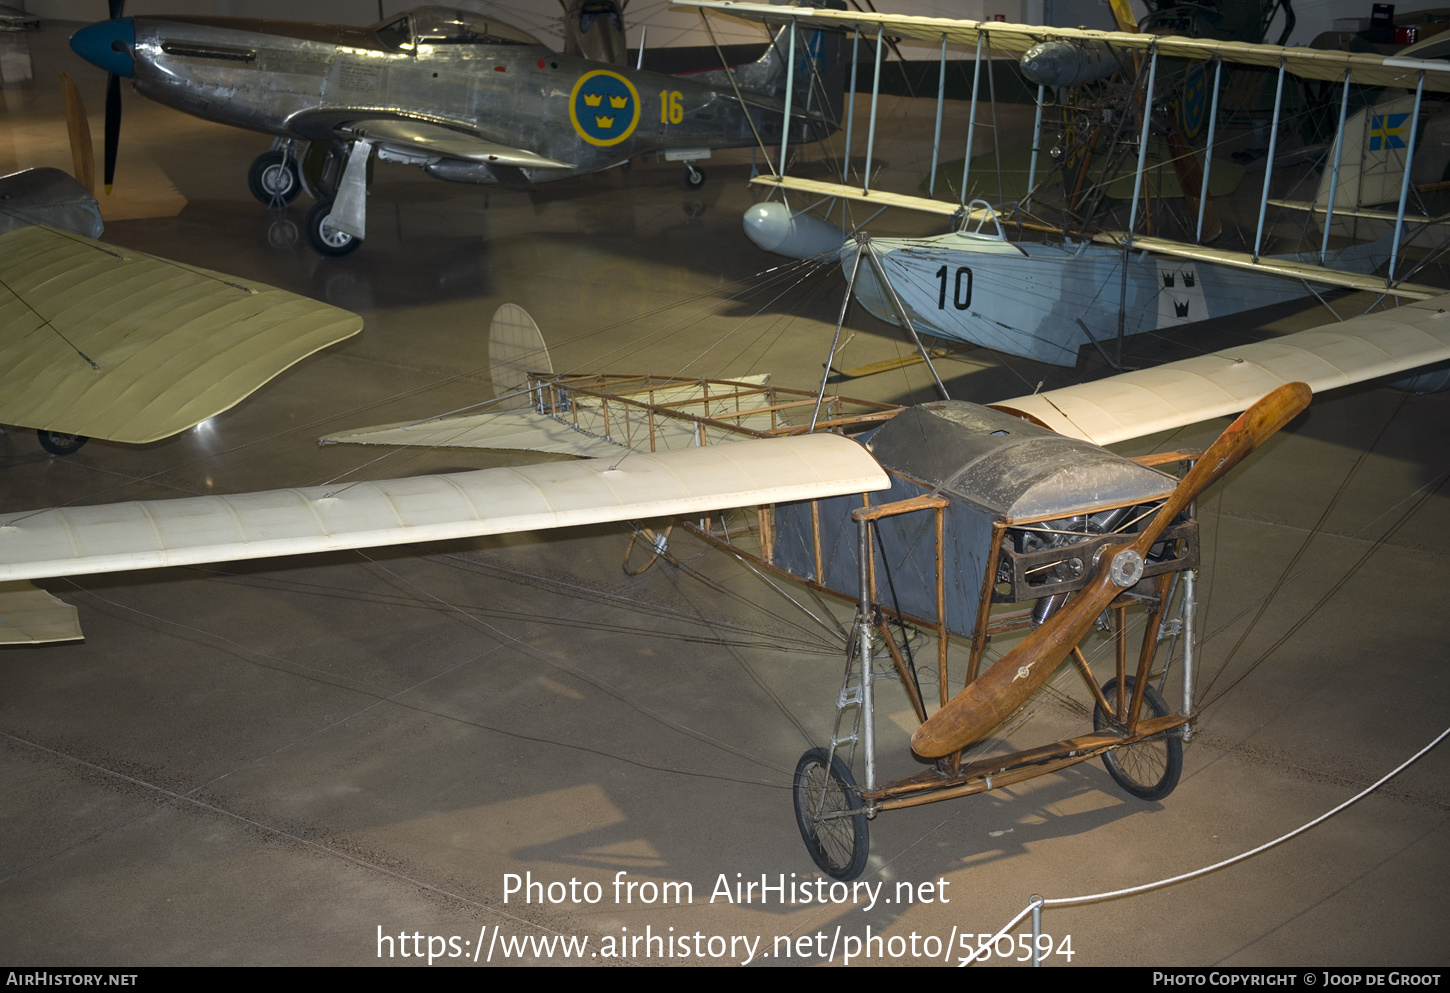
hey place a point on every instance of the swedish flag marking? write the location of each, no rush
(1387, 131)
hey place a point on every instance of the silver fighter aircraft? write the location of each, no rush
(463, 96)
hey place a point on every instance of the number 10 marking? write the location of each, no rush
(958, 301)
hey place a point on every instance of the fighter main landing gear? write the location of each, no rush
(325, 239)
(694, 176)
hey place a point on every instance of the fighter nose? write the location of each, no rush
(107, 44)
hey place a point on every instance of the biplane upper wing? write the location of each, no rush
(105, 342)
(1133, 404)
(1367, 70)
(148, 534)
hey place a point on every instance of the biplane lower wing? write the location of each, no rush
(695, 481)
(1134, 404)
(1288, 268)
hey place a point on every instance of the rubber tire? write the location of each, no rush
(694, 177)
(319, 240)
(57, 443)
(841, 855)
(266, 174)
(1148, 769)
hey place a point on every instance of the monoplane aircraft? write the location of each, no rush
(1071, 530)
(462, 96)
(1045, 301)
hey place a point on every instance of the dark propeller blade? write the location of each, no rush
(993, 696)
(113, 128)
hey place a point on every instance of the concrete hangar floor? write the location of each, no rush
(281, 761)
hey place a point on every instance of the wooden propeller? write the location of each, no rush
(993, 696)
(83, 159)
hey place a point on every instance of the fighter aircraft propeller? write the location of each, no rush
(108, 44)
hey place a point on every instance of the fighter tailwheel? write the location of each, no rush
(328, 240)
(694, 177)
(825, 798)
(273, 179)
(61, 444)
(1147, 769)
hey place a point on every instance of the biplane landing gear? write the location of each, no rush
(273, 179)
(829, 813)
(325, 239)
(1150, 768)
(61, 444)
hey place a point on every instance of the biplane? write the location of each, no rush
(1014, 517)
(1046, 300)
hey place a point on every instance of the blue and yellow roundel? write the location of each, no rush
(604, 107)
(1193, 104)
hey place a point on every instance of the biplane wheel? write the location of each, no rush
(694, 177)
(327, 240)
(61, 444)
(1148, 769)
(273, 179)
(824, 791)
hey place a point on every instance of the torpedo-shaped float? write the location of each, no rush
(796, 235)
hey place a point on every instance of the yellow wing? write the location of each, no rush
(101, 341)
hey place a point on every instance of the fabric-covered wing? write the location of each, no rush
(124, 536)
(1365, 70)
(105, 342)
(1134, 404)
(420, 137)
(31, 616)
(1277, 267)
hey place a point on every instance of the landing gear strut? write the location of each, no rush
(694, 176)
(325, 239)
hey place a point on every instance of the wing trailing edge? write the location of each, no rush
(149, 534)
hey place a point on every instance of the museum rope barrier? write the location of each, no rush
(1036, 903)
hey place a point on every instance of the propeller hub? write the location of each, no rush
(107, 45)
(1127, 568)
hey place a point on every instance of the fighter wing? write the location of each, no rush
(124, 536)
(109, 343)
(1367, 70)
(414, 137)
(1134, 404)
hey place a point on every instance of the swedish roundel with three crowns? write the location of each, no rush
(604, 107)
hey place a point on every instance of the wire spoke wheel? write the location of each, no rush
(1147, 769)
(58, 443)
(825, 795)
